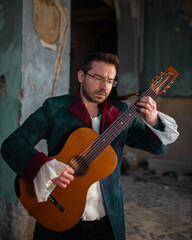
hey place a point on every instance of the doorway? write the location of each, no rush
(93, 28)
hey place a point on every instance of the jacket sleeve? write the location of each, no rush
(141, 137)
(18, 149)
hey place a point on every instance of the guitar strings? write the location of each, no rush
(91, 155)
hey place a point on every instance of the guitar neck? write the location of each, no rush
(116, 128)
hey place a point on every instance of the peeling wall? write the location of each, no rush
(26, 79)
(39, 65)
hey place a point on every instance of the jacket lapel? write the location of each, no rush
(78, 109)
(109, 113)
(108, 116)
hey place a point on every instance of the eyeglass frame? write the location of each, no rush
(109, 82)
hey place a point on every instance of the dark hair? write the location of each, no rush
(99, 56)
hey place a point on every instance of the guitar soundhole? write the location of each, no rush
(79, 165)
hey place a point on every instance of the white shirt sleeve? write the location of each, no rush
(170, 133)
(42, 182)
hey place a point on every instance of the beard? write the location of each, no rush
(92, 96)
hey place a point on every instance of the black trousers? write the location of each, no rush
(84, 230)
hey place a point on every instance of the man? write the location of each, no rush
(103, 216)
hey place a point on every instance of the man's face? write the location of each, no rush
(97, 86)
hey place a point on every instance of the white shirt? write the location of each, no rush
(94, 208)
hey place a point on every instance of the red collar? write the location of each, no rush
(109, 113)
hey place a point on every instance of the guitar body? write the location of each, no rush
(66, 206)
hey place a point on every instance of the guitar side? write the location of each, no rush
(66, 206)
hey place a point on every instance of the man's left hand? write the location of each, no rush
(148, 110)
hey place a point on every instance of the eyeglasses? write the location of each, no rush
(98, 80)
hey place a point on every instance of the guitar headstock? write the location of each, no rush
(164, 80)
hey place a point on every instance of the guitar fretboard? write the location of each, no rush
(103, 140)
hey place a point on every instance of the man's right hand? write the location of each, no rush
(65, 178)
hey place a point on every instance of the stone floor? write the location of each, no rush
(157, 207)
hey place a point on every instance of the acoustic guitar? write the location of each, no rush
(92, 158)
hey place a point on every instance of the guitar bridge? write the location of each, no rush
(56, 203)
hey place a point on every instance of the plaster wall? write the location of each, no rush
(28, 69)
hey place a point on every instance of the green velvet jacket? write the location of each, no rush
(55, 121)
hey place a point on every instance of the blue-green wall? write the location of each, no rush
(10, 68)
(168, 42)
(29, 69)
(128, 50)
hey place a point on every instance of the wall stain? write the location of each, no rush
(2, 86)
